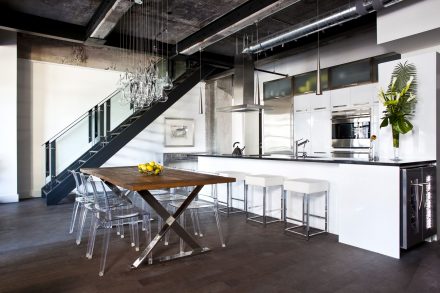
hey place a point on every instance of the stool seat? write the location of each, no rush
(264, 180)
(239, 176)
(306, 185)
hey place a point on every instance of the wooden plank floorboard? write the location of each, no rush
(38, 255)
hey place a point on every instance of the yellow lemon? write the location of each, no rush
(143, 167)
(152, 163)
(149, 168)
(157, 171)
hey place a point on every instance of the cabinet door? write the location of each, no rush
(321, 133)
(361, 95)
(301, 103)
(301, 128)
(340, 98)
(321, 102)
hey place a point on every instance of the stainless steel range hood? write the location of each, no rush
(243, 86)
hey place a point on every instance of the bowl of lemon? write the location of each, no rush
(151, 168)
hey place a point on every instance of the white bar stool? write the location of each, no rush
(229, 209)
(308, 187)
(264, 181)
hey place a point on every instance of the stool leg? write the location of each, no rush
(264, 206)
(244, 195)
(326, 211)
(285, 209)
(304, 210)
(308, 213)
(228, 196)
(282, 202)
(246, 190)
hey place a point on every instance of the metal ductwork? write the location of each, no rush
(336, 17)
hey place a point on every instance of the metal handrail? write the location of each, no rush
(80, 118)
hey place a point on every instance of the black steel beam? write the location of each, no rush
(246, 9)
(40, 26)
(99, 15)
(114, 40)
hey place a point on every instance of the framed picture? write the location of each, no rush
(179, 132)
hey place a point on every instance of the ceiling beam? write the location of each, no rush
(40, 26)
(106, 17)
(235, 20)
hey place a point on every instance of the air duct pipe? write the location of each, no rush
(338, 16)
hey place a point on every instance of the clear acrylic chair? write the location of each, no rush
(196, 207)
(105, 215)
(82, 204)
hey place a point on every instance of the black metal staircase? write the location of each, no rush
(61, 184)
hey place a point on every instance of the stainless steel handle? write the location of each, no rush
(339, 106)
(361, 104)
(297, 111)
(421, 196)
(319, 152)
(320, 108)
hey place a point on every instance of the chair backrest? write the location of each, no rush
(80, 186)
(101, 201)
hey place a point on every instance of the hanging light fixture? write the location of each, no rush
(141, 84)
(318, 59)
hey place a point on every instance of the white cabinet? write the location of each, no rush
(320, 133)
(301, 103)
(321, 102)
(340, 98)
(362, 95)
(301, 128)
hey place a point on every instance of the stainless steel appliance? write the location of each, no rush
(351, 128)
(418, 205)
(278, 126)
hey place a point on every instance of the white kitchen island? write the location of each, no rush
(364, 207)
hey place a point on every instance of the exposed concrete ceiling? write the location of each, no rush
(184, 17)
(77, 12)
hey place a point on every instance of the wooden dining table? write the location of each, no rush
(130, 178)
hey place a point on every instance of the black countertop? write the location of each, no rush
(381, 162)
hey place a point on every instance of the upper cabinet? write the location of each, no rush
(340, 98)
(278, 88)
(321, 102)
(302, 103)
(362, 95)
(306, 83)
(353, 73)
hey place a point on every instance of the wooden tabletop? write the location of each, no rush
(130, 178)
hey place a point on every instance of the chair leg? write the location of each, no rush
(74, 213)
(228, 197)
(196, 214)
(147, 225)
(182, 243)
(92, 236)
(193, 220)
(326, 211)
(82, 219)
(105, 243)
(282, 202)
(219, 227)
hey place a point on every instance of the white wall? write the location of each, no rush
(150, 145)
(51, 96)
(420, 143)
(8, 116)
(408, 18)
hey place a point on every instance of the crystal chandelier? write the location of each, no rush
(141, 36)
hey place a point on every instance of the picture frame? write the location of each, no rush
(179, 132)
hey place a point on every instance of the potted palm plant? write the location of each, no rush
(399, 101)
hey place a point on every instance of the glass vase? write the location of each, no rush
(396, 137)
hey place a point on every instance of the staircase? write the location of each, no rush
(109, 142)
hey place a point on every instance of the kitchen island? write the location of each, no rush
(364, 206)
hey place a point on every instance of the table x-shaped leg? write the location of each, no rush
(170, 223)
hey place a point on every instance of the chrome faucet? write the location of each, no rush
(298, 143)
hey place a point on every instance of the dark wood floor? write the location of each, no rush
(38, 255)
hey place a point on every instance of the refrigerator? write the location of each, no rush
(418, 205)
